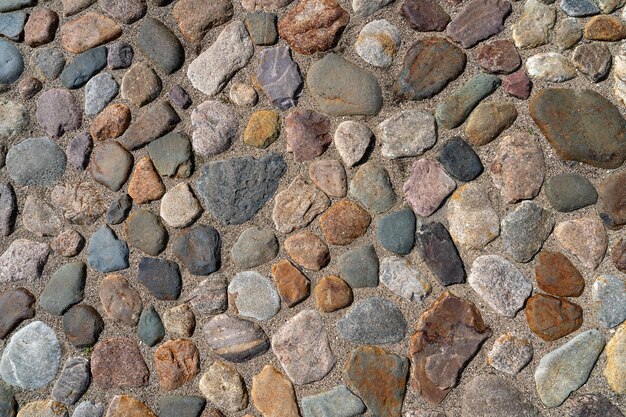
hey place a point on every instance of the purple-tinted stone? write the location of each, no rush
(479, 20)
(279, 77)
(179, 97)
(79, 150)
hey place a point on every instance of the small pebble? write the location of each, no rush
(150, 329)
(179, 97)
(82, 325)
(396, 231)
(179, 207)
(120, 55)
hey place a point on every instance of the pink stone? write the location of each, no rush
(427, 186)
(517, 85)
(307, 134)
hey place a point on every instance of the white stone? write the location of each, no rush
(407, 133)
(179, 207)
(254, 295)
(403, 279)
(378, 43)
(352, 140)
(550, 66)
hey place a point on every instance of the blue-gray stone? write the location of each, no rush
(73, 381)
(338, 402)
(570, 192)
(88, 409)
(106, 253)
(234, 190)
(161, 277)
(36, 161)
(11, 62)
(119, 209)
(181, 406)
(396, 231)
(459, 160)
(10, 5)
(375, 321)
(150, 329)
(8, 209)
(172, 155)
(32, 357)
(83, 67)
(279, 77)
(359, 267)
(609, 300)
(12, 24)
(579, 8)
(49, 61)
(8, 405)
(65, 288)
(199, 249)
(145, 231)
(99, 92)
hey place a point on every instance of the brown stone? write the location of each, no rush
(262, 129)
(41, 26)
(448, 335)
(308, 250)
(488, 121)
(127, 406)
(499, 57)
(332, 293)
(140, 84)
(618, 255)
(329, 176)
(120, 302)
(69, 243)
(308, 134)
(156, 120)
(87, 31)
(273, 394)
(15, 306)
(604, 28)
(196, 17)
(29, 87)
(117, 363)
(43, 408)
(612, 200)
(291, 284)
(551, 318)
(584, 238)
(145, 184)
(313, 25)
(425, 15)
(111, 165)
(112, 122)
(177, 362)
(298, 205)
(180, 320)
(344, 222)
(478, 20)
(556, 275)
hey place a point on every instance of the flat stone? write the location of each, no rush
(120, 55)
(332, 294)
(124, 11)
(396, 231)
(313, 25)
(58, 112)
(604, 28)
(301, 338)
(234, 339)
(584, 238)
(273, 394)
(298, 205)
(120, 301)
(179, 207)
(160, 45)
(593, 60)
(111, 123)
(82, 325)
(171, 155)
(615, 370)
(255, 246)
(591, 405)
(344, 222)
(99, 92)
(492, 394)
(23, 260)
(440, 254)
(88, 31)
(111, 165)
(459, 160)
(48, 62)
(510, 354)
(307, 134)
(589, 128)
(119, 209)
(565, 369)
(179, 321)
(234, 190)
(73, 381)
(524, 229)
(278, 76)
(177, 362)
(556, 275)
(14, 118)
(43, 408)
(407, 133)
(145, 231)
(569, 192)
(254, 295)
(429, 65)
(567, 33)
(213, 68)
(427, 186)
(307, 250)
(181, 406)
(403, 279)
(329, 176)
(15, 306)
(618, 255)
(351, 141)
(374, 321)
(243, 95)
(372, 187)
(157, 120)
(533, 27)
(379, 378)
(378, 42)
(579, 8)
(612, 200)
(150, 329)
(477, 21)
(161, 277)
(367, 7)
(517, 85)
(198, 249)
(473, 222)
(39, 217)
(209, 297)
(488, 120)
(499, 57)
(359, 266)
(12, 62)
(262, 129)
(447, 336)
(29, 87)
(501, 285)
(551, 67)
(125, 405)
(196, 18)
(293, 287)
(12, 24)
(179, 97)
(425, 16)
(64, 289)
(140, 84)
(609, 300)
(41, 26)
(224, 387)
(552, 318)
(87, 64)
(262, 28)
(32, 357)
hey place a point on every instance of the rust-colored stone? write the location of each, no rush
(112, 122)
(344, 222)
(117, 363)
(604, 28)
(291, 284)
(177, 362)
(618, 255)
(145, 184)
(332, 293)
(307, 250)
(551, 318)
(87, 31)
(273, 394)
(556, 275)
(127, 406)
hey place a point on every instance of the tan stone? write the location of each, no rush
(127, 406)
(262, 129)
(177, 362)
(41, 26)
(298, 205)
(291, 284)
(120, 302)
(48, 408)
(308, 250)
(273, 394)
(112, 122)
(615, 370)
(89, 30)
(332, 293)
(344, 222)
(145, 184)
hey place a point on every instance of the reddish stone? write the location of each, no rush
(499, 56)
(307, 250)
(273, 394)
(308, 134)
(145, 184)
(87, 31)
(177, 362)
(332, 293)
(618, 255)
(120, 302)
(427, 187)
(517, 85)
(41, 26)
(612, 200)
(117, 363)
(478, 20)
(344, 222)
(291, 284)
(425, 15)
(15, 307)
(551, 318)
(556, 275)
(112, 122)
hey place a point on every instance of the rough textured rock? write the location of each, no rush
(298, 205)
(396, 231)
(407, 133)
(378, 42)
(145, 184)
(140, 84)
(584, 238)
(329, 176)
(615, 370)
(493, 395)
(344, 222)
(593, 60)
(332, 294)
(427, 187)
(373, 321)
(524, 230)
(499, 57)
(337, 402)
(425, 16)
(307, 133)
(556, 275)
(473, 222)
(73, 381)
(488, 120)
(215, 126)
(262, 129)
(403, 279)
(552, 318)
(609, 300)
(196, 18)
(43, 408)
(171, 155)
(478, 20)
(87, 31)
(180, 320)
(58, 112)
(262, 28)
(224, 387)
(612, 200)
(112, 122)
(209, 297)
(510, 354)
(39, 217)
(125, 405)
(15, 306)
(273, 394)
(117, 363)
(234, 339)
(121, 302)
(352, 140)
(533, 27)
(591, 405)
(278, 76)
(23, 261)
(177, 362)
(291, 284)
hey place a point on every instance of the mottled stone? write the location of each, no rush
(372, 187)
(403, 279)
(427, 187)
(209, 297)
(180, 406)
(262, 28)
(556, 275)
(297, 206)
(618, 255)
(199, 249)
(78, 151)
(307, 250)
(552, 318)
(111, 123)
(8, 209)
(478, 20)
(612, 200)
(120, 301)
(36, 162)
(351, 141)
(604, 28)
(157, 120)
(39, 217)
(459, 160)
(43, 408)
(12, 24)
(499, 57)
(180, 320)
(195, 18)
(161, 277)
(262, 129)
(254, 295)
(567, 33)
(120, 55)
(234, 339)
(396, 231)
(48, 62)
(517, 85)
(493, 395)
(177, 362)
(160, 45)
(378, 42)
(125, 405)
(82, 325)
(533, 27)
(359, 266)
(29, 87)
(23, 260)
(15, 306)
(278, 76)
(58, 112)
(292, 285)
(591, 405)
(584, 238)
(88, 31)
(374, 321)
(255, 246)
(524, 229)
(224, 387)
(488, 120)
(407, 133)
(65, 288)
(73, 381)
(14, 118)
(111, 165)
(510, 354)
(273, 394)
(332, 294)
(140, 84)
(473, 222)
(609, 300)
(615, 370)
(145, 184)
(344, 222)
(438, 251)
(242, 95)
(215, 126)
(329, 176)
(171, 155)
(124, 11)
(425, 16)
(145, 231)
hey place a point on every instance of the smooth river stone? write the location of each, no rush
(36, 162)
(552, 318)
(160, 45)
(279, 77)
(87, 31)
(374, 320)
(157, 120)
(478, 20)
(438, 251)
(337, 402)
(609, 300)
(492, 395)
(15, 306)
(234, 339)
(524, 229)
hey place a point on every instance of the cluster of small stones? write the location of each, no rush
(311, 208)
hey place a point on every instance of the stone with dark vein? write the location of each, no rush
(478, 20)
(440, 254)
(278, 76)
(235, 339)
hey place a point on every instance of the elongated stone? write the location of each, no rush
(234, 339)
(440, 254)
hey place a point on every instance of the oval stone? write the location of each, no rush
(36, 161)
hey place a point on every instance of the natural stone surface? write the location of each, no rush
(124, 11)
(36, 161)
(499, 57)
(307, 133)
(510, 353)
(604, 28)
(224, 387)
(140, 84)
(372, 187)
(171, 155)
(161, 277)
(177, 362)
(120, 301)
(618, 255)
(243, 95)
(179, 206)
(120, 55)
(99, 91)
(427, 187)
(407, 133)
(592, 405)
(215, 126)
(195, 18)
(119, 209)
(150, 329)
(83, 67)
(329, 176)
(609, 300)
(262, 129)
(145, 184)
(8, 209)
(332, 294)
(550, 66)
(459, 160)
(567, 33)
(425, 16)
(12, 62)
(39, 217)
(73, 381)
(160, 45)
(82, 325)
(273, 394)
(291, 284)
(111, 165)
(552, 318)
(612, 200)
(344, 222)
(584, 238)
(478, 20)
(145, 232)
(158, 119)
(112, 122)
(494, 395)
(352, 140)
(180, 320)
(23, 261)
(15, 306)
(373, 320)
(262, 28)
(473, 222)
(593, 60)
(58, 112)
(524, 230)
(278, 76)
(517, 85)
(64, 288)
(396, 231)
(533, 27)
(254, 296)
(556, 275)
(615, 370)
(569, 192)
(180, 405)
(255, 246)
(87, 31)
(125, 405)
(78, 151)
(579, 8)
(198, 249)
(234, 339)
(403, 279)
(440, 254)
(488, 120)
(43, 408)
(378, 42)
(337, 402)
(297, 206)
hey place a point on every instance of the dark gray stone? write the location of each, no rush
(279, 77)
(459, 160)
(120, 55)
(181, 406)
(150, 329)
(179, 97)
(262, 28)
(491, 395)
(171, 155)
(78, 151)
(440, 254)
(119, 209)
(570, 192)
(359, 267)
(591, 405)
(234, 190)
(82, 325)
(8, 209)
(8, 404)
(36, 161)
(524, 230)
(9, 5)
(374, 321)
(579, 8)
(160, 45)
(11, 62)
(12, 24)
(396, 231)
(83, 67)
(160, 118)
(49, 61)
(64, 289)
(73, 381)
(105, 252)
(199, 249)
(161, 277)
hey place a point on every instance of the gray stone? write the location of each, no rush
(49, 62)
(160, 45)
(234, 339)
(279, 77)
(8, 404)
(359, 267)
(459, 160)
(255, 246)
(145, 231)
(73, 381)
(124, 11)
(403, 279)
(78, 151)
(262, 28)
(440, 254)
(64, 289)
(12, 63)
(58, 112)
(524, 230)
(233, 190)
(503, 287)
(99, 92)
(14, 119)
(36, 161)
(567, 33)
(23, 261)
(161, 277)
(8, 209)
(374, 321)
(9, 5)
(119, 209)
(396, 231)
(510, 354)
(39, 217)
(591, 405)
(352, 140)
(570, 192)
(215, 127)
(83, 67)
(171, 155)
(337, 402)
(12, 24)
(210, 297)
(88, 409)
(477, 21)
(179, 97)
(567, 368)
(367, 7)
(579, 8)
(407, 133)
(199, 249)
(609, 300)
(150, 328)
(372, 187)
(32, 357)
(120, 55)
(180, 406)
(105, 252)
(593, 60)
(378, 42)
(491, 395)
(254, 295)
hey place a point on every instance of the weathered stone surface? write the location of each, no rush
(145, 231)
(177, 362)
(337, 402)
(171, 155)
(612, 200)
(297, 206)
(373, 320)
(524, 230)
(372, 187)
(378, 42)
(593, 60)
(99, 91)
(125, 405)
(570, 192)
(447, 336)
(43, 408)
(609, 300)
(396, 231)
(145, 184)
(73, 381)
(8, 209)
(352, 140)
(262, 28)
(124, 11)
(36, 162)
(119, 209)
(39, 217)
(23, 261)
(552, 318)
(615, 370)
(199, 249)
(407, 133)
(591, 405)
(307, 133)
(254, 296)
(150, 329)
(344, 222)
(215, 126)
(161, 277)
(224, 387)
(493, 395)
(117, 363)
(584, 238)
(160, 45)
(180, 321)
(291, 284)
(87, 31)
(332, 294)
(273, 394)
(440, 254)
(278, 76)
(80, 70)
(427, 187)
(301, 346)
(82, 325)
(155, 121)
(234, 339)
(58, 112)
(499, 57)
(533, 27)
(567, 33)
(403, 279)
(604, 28)
(262, 129)
(196, 18)
(121, 302)
(488, 120)
(579, 8)
(329, 176)
(15, 306)
(180, 406)
(8, 404)
(473, 222)
(112, 122)
(556, 275)
(111, 165)
(64, 288)
(510, 354)
(425, 16)
(255, 246)
(478, 20)
(618, 255)
(517, 85)
(551, 67)
(140, 84)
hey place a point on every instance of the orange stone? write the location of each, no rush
(292, 285)
(308, 250)
(604, 28)
(556, 275)
(177, 362)
(344, 222)
(88, 31)
(112, 122)
(273, 394)
(127, 406)
(145, 184)
(332, 293)
(551, 318)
